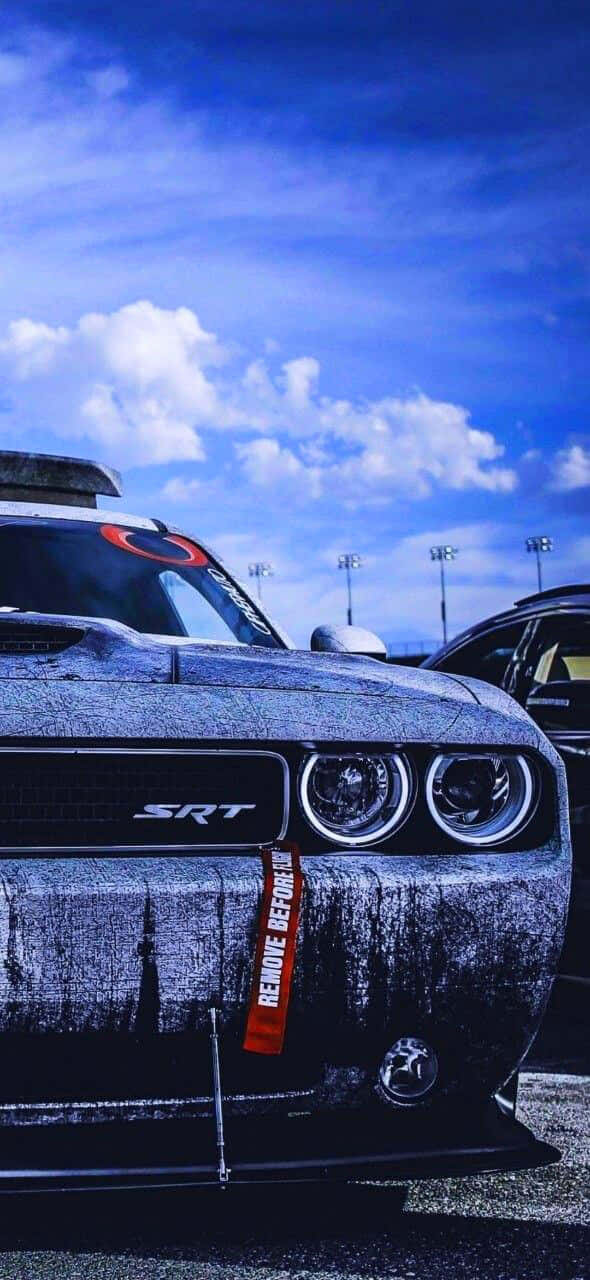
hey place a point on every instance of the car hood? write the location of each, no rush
(81, 678)
(52, 647)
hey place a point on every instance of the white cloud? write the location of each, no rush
(109, 81)
(267, 465)
(33, 346)
(146, 382)
(371, 451)
(571, 468)
(179, 490)
(140, 428)
(150, 347)
(413, 444)
(301, 376)
(134, 380)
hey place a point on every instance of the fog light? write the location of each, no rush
(408, 1071)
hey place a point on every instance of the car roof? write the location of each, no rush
(52, 511)
(573, 596)
(566, 593)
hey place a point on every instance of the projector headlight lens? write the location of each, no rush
(481, 799)
(355, 799)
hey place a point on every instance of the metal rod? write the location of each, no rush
(443, 601)
(349, 584)
(222, 1169)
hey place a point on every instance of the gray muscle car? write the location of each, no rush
(159, 738)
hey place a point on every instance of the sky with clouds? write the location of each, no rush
(315, 277)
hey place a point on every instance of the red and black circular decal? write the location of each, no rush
(145, 543)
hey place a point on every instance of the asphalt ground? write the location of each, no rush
(521, 1226)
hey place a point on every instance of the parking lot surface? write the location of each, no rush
(522, 1226)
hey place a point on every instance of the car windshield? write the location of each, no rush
(157, 583)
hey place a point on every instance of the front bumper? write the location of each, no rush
(459, 951)
(468, 1140)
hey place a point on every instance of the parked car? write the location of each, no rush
(539, 652)
(265, 913)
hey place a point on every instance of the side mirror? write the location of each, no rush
(343, 639)
(560, 705)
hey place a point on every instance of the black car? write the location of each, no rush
(539, 652)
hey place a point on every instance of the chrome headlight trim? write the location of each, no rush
(377, 833)
(518, 821)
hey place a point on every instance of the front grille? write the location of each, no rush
(25, 637)
(57, 1067)
(103, 799)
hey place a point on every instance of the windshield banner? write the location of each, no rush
(127, 540)
(275, 949)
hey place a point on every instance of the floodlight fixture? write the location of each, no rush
(443, 553)
(538, 544)
(349, 561)
(260, 569)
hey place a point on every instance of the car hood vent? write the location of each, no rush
(23, 637)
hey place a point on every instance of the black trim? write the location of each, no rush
(556, 593)
(467, 1140)
(418, 835)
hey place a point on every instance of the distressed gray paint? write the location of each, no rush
(144, 711)
(460, 948)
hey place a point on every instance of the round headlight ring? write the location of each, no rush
(386, 820)
(517, 814)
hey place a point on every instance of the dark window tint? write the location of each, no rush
(485, 656)
(153, 582)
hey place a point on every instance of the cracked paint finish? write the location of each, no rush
(192, 713)
(460, 948)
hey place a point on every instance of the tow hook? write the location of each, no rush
(222, 1170)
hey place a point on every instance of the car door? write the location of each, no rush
(485, 656)
(550, 675)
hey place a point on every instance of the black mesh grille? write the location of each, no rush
(30, 638)
(139, 799)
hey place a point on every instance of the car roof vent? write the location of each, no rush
(554, 593)
(32, 637)
(45, 477)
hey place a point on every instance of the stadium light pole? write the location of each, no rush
(443, 554)
(260, 569)
(349, 561)
(539, 543)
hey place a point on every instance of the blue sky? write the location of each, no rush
(315, 277)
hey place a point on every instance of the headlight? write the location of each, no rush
(480, 799)
(355, 799)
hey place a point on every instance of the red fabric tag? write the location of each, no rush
(275, 949)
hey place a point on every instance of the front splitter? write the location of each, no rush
(309, 1149)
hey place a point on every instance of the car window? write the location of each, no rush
(194, 611)
(157, 583)
(564, 652)
(485, 657)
